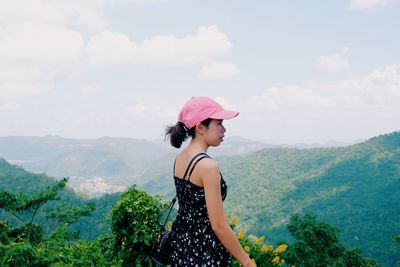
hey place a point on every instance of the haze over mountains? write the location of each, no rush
(104, 165)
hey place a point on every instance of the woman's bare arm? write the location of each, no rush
(210, 176)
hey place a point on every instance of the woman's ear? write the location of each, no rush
(200, 129)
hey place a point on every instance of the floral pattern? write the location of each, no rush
(194, 243)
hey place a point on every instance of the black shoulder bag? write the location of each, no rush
(161, 251)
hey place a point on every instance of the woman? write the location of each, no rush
(201, 234)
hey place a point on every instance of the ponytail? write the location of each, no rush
(177, 134)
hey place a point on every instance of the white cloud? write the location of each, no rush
(88, 14)
(380, 87)
(361, 107)
(90, 88)
(33, 56)
(225, 102)
(216, 70)
(143, 111)
(207, 44)
(334, 63)
(365, 4)
(24, 80)
(17, 12)
(39, 50)
(24, 88)
(41, 42)
(8, 106)
(110, 48)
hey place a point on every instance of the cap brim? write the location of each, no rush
(224, 115)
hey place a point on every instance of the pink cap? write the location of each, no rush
(200, 108)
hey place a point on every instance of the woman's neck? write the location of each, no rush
(197, 145)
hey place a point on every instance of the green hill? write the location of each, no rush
(17, 180)
(355, 188)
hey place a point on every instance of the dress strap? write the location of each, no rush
(194, 165)
(174, 167)
(190, 163)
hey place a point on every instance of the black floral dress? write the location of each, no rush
(194, 243)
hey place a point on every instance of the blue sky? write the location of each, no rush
(298, 71)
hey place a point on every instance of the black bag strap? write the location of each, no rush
(170, 206)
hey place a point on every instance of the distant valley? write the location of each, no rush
(104, 165)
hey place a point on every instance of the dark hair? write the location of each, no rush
(178, 134)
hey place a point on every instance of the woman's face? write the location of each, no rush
(214, 133)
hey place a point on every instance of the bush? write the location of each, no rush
(135, 227)
(317, 244)
(264, 255)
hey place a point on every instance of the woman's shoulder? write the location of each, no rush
(204, 162)
(208, 165)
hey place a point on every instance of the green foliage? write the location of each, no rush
(19, 183)
(81, 253)
(135, 226)
(68, 214)
(26, 243)
(262, 254)
(317, 244)
(98, 223)
(21, 254)
(18, 203)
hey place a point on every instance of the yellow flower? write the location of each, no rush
(226, 215)
(270, 248)
(254, 262)
(281, 248)
(240, 234)
(260, 240)
(169, 225)
(233, 220)
(276, 259)
(264, 248)
(282, 261)
(246, 248)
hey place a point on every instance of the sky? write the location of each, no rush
(297, 71)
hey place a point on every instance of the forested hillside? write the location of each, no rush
(354, 188)
(49, 220)
(17, 180)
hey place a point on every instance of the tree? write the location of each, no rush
(26, 244)
(317, 244)
(135, 226)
